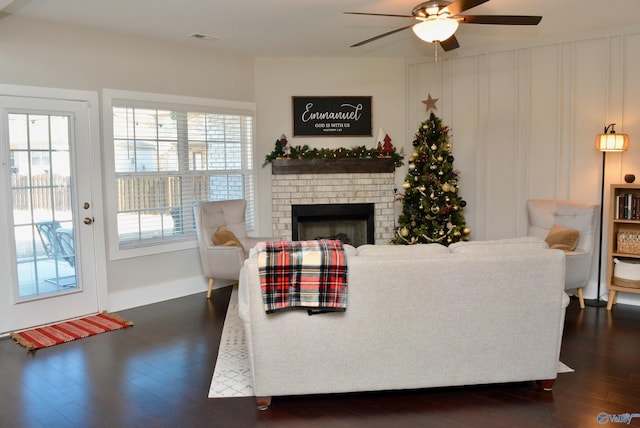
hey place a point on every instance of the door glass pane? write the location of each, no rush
(42, 204)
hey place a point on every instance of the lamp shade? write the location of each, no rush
(612, 142)
(435, 29)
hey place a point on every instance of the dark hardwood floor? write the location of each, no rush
(157, 374)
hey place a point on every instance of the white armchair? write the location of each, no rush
(581, 216)
(220, 261)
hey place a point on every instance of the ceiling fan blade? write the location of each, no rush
(397, 30)
(378, 14)
(500, 19)
(450, 44)
(461, 5)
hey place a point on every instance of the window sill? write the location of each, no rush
(150, 250)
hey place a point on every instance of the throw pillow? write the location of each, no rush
(562, 238)
(223, 236)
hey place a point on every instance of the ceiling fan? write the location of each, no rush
(439, 19)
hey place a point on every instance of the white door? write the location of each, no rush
(48, 264)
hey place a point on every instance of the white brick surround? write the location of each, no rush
(339, 188)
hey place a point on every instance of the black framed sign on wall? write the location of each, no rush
(332, 116)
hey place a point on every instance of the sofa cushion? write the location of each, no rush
(498, 247)
(562, 238)
(402, 251)
(223, 236)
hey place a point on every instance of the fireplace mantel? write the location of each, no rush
(332, 166)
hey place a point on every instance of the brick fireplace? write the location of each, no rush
(334, 182)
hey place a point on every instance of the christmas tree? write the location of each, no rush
(432, 210)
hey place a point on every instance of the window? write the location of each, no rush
(167, 157)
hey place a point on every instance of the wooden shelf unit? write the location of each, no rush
(618, 222)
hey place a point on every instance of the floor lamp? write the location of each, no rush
(608, 141)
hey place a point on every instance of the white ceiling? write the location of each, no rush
(319, 28)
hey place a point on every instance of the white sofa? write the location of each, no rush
(417, 316)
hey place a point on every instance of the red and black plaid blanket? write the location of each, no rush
(303, 274)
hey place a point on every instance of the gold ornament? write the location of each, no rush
(406, 185)
(446, 187)
(404, 232)
(466, 230)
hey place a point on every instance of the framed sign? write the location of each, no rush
(332, 116)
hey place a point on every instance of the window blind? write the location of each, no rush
(167, 158)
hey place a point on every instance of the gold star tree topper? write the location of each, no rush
(431, 103)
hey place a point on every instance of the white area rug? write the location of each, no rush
(232, 374)
(563, 368)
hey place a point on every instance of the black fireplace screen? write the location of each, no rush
(352, 224)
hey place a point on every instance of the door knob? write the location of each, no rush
(88, 220)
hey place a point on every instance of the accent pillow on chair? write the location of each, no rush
(562, 238)
(223, 236)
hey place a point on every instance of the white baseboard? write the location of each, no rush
(160, 292)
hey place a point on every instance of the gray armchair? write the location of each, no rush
(582, 216)
(220, 261)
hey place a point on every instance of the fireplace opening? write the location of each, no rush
(352, 224)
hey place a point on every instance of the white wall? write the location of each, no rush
(45, 54)
(278, 79)
(36, 53)
(523, 119)
(524, 122)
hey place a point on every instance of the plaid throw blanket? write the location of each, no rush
(303, 274)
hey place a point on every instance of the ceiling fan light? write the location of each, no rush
(435, 29)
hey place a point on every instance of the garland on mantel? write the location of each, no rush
(305, 152)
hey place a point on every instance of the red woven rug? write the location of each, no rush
(55, 334)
